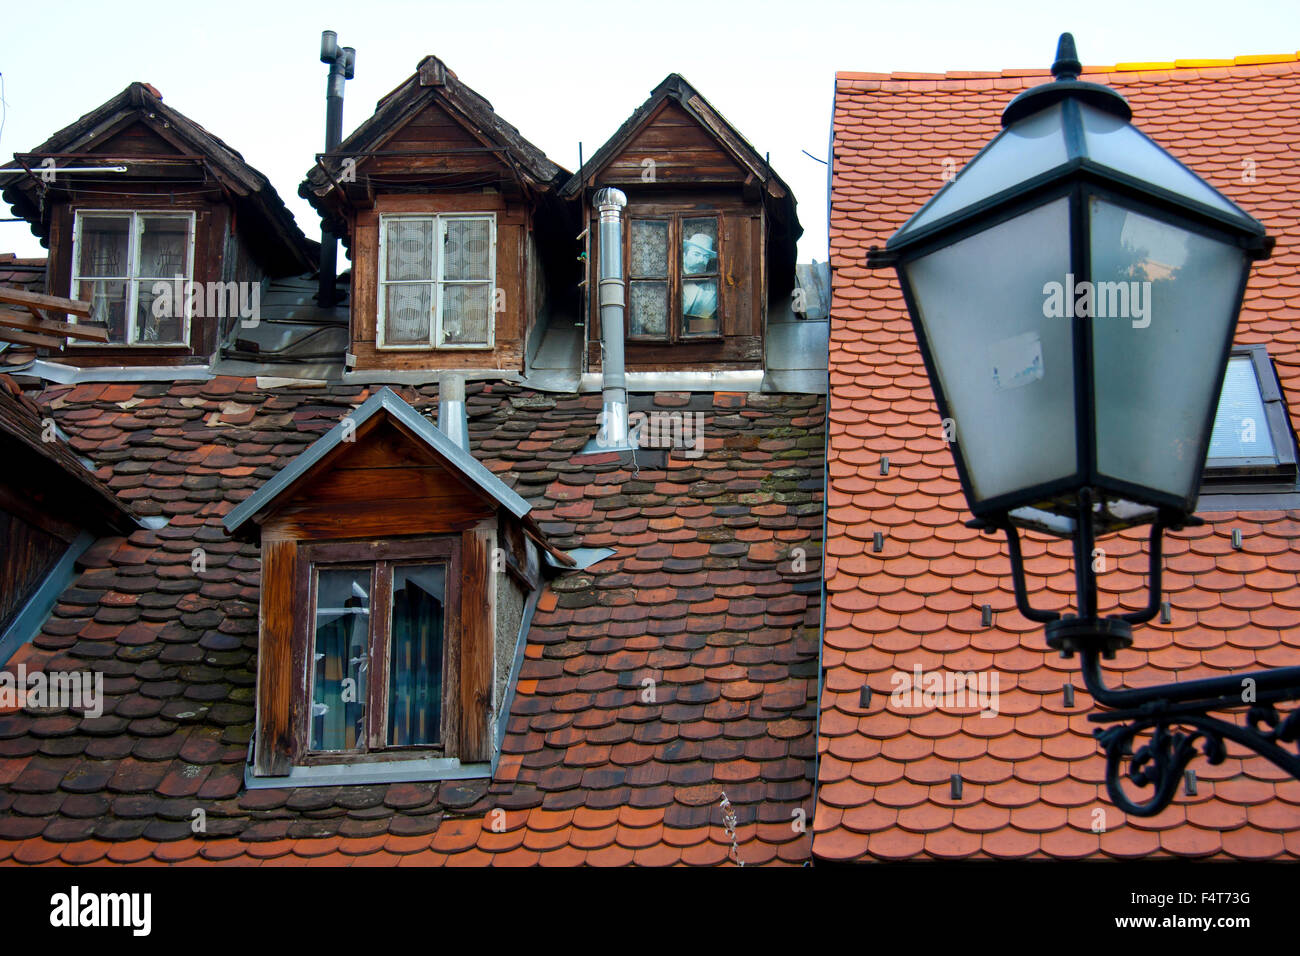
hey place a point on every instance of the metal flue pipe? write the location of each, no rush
(613, 434)
(452, 420)
(342, 64)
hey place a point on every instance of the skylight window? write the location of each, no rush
(1252, 450)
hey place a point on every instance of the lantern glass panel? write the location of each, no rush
(1033, 146)
(1113, 142)
(1163, 306)
(1005, 366)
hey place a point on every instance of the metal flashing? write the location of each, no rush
(28, 622)
(502, 717)
(583, 558)
(74, 375)
(357, 774)
(703, 380)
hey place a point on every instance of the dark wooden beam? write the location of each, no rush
(45, 326)
(52, 302)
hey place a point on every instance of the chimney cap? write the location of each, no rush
(609, 197)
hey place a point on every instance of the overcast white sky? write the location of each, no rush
(563, 71)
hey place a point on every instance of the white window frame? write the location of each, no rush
(437, 337)
(132, 280)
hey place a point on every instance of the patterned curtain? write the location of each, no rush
(415, 655)
(467, 281)
(341, 659)
(408, 272)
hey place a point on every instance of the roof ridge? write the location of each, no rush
(1130, 67)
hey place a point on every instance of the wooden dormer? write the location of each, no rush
(395, 570)
(175, 205)
(483, 243)
(709, 235)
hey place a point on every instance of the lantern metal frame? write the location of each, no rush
(1176, 716)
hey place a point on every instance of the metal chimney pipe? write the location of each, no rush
(341, 63)
(452, 420)
(613, 434)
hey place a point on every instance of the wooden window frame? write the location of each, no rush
(676, 331)
(437, 336)
(380, 557)
(132, 280)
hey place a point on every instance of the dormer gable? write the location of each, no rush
(394, 565)
(709, 237)
(175, 210)
(454, 226)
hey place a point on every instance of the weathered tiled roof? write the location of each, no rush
(701, 596)
(1033, 775)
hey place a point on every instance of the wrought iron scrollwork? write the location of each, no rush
(1162, 761)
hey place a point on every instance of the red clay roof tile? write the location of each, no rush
(1231, 609)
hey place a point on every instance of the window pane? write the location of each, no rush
(699, 246)
(415, 655)
(408, 312)
(700, 305)
(342, 655)
(648, 308)
(466, 249)
(164, 247)
(408, 249)
(103, 246)
(1240, 425)
(108, 305)
(158, 329)
(649, 249)
(466, 310)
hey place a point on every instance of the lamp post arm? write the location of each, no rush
(1018, 579)
(1279, 683)
(1155, 584)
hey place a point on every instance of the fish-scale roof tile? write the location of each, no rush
(1231, 609)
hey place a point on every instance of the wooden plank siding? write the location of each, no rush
(478, 629)
(681, 149)
(281, 608)
(27, 553)
(436, 143)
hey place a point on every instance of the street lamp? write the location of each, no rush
(1074, 291)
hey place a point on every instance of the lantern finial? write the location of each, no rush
(1067, 65)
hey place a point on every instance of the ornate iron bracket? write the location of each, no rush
(1177, 716)
(1180, 719)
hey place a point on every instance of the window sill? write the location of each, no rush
(403, 771)
(434, 348)
(177, 346)
(1248, 501)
